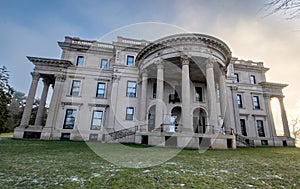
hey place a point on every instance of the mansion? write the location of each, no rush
(183, 90)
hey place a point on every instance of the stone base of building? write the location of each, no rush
(161, 139)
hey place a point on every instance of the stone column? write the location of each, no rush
(30, 99)
(284, 118)
(160, 93)
(223, 102)
(211, 91)
(270, 119)
(143, 102)
(55, 101)
(41, 110)
(185, 94)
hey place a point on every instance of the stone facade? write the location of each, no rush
(130, 90)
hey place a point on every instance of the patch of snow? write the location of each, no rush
(250, 185)
(223, 171)
(171, 163)
(146, 171)
(96, 174)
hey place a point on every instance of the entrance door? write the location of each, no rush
(151, 122)
(195, 124)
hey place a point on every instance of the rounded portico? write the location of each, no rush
(184, 76)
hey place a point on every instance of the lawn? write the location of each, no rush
(67, 164)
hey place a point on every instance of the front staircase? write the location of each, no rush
(244, 140)
(123, 133)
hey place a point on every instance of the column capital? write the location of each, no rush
(60, 78)
(210, 62)
(185, 59)
(144, 73)
(267, 96)
(159, 64)
(46, 81)
(35, 75)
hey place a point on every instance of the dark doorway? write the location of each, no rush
(151, 119)
(145, 139)
(32, 135)
(284, 143)
(229, 143)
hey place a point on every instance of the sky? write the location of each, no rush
(33, 27)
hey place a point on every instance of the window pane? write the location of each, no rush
(239, 101)
(256, 102)
(154, 90)
(80, 60)
(70, 119)
(75, 88)
(236, 80)
(97, 120)
(104, 64)
(260, 128)
(129, 113)
(130, 60)
(243, 127)
(131, 89)
(252, 79)
(100, 90)
(198, 94)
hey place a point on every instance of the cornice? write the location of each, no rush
(49, 62)
(186, 39)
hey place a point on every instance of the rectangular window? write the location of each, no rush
(260, 128)
(264, 142)
(239, 101)
(130, 60)
(236, 78)
(75, 88)
(69, 119)
(100, 90)
(104, 64)
(93, 137)
(154, 90)
(252, 79)
(80, 60)
(198, 94)
(129, 113)
(131, 89)
(96, 120)
(256, 102)
(243, 127)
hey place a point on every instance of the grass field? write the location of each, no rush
(67, 164)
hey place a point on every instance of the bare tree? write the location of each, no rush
(289, 8)
(296, 128)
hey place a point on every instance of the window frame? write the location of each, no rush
(80, 64)
(252, 79)
(104, 90)
(107, 65)
(94, 126)
(200, 95)
(236, 78)
(127, 60)
(255, 101)
(131, 94)
(260, 128)
(154, 90)
(239, 101)
(72, 88)
(129, 117)
(243, 127)
(72, 121)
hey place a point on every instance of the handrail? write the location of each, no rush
(123, 133)
(244, 140)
